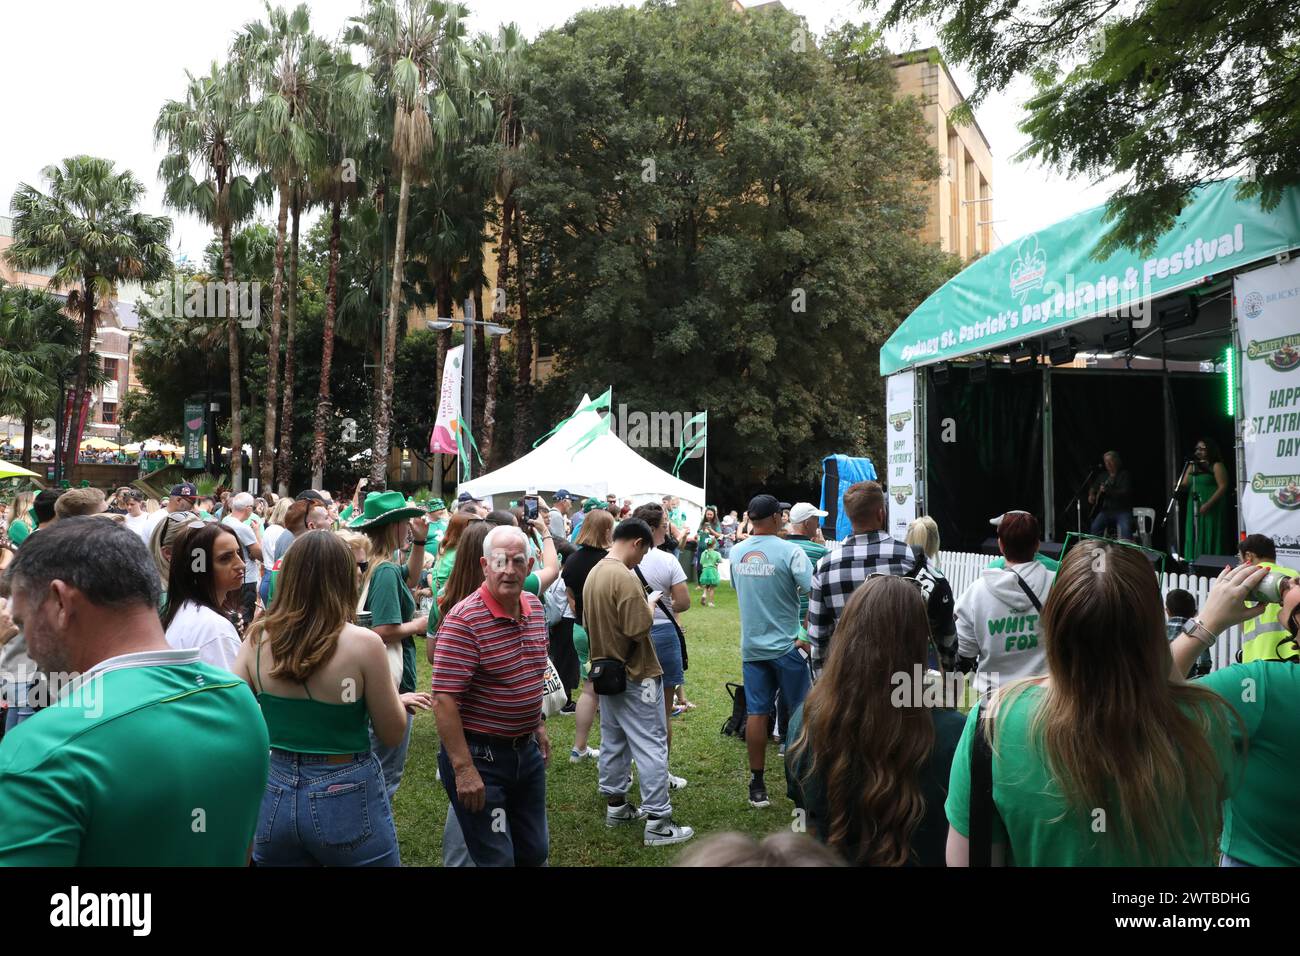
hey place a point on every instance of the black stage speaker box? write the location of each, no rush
(1051, 549)
(1209, 565)
(990, 546)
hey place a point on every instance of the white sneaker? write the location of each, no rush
(664, 831)
(676, 783)
(626, 813)
(587, 753)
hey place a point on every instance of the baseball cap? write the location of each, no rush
(311, 494)
(803, 511)
(563, 495)
(184, 490)
(998, 520)
(465, 496)
(764, 506)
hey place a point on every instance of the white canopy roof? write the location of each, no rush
(603, 467)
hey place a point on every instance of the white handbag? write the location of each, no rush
(554, 696)
(393, 650)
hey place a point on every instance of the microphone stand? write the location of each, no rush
(1077, 500)
(1173, 496)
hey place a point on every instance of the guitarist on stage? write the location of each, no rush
(1112, 499)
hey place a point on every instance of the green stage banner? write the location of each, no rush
(194, 419)
(1049, 279)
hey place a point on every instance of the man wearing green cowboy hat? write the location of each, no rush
(385, 520)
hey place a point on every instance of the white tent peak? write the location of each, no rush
(605, 466)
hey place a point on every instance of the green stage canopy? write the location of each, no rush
(1050, 280)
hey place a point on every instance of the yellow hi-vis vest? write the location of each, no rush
(1265, 638)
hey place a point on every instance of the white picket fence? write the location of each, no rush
(962, 568)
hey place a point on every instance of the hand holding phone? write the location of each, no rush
(653, 597)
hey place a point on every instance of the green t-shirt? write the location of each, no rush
(1033, 816)
(19, 529)
(710, 558)
(1260, 825)
(1044, 560)
(815, 553)
(160, 761)
(390, 601)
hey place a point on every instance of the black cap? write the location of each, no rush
(184, 490)
(764, 506)
(311, 494)
(465, 496)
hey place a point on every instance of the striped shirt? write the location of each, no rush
(493, 664)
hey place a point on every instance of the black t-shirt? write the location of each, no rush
(576, 568)
(1119, 492)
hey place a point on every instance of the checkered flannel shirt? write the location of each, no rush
(838, 575)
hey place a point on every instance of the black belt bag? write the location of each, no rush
(608, 676)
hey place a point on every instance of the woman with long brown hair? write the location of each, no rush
(1108, 760)
(203, 589)
(872, 750)
(322, 682)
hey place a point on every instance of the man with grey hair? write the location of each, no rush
(489, 668)
(82, 783)
(249, 535)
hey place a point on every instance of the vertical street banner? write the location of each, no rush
(900, 441)
(446, 428)
(1268, 336)
(194, 420)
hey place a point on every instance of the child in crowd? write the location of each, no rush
(709, 559)
(1180, 606)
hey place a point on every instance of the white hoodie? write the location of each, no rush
(999, 625)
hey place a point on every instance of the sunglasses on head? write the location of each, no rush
(882, 574)
(183, 516)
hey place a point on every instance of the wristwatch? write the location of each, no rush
(1195, 629)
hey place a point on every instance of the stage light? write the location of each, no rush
(1024, 357)
(979, 371)
(941, 373)
(1230, 365)
(1062, 351)
(1118, 341)
(1177, 313)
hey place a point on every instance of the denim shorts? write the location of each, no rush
(762, 678)
(316, 813)
(668, 648)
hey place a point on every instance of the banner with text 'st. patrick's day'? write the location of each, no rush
(1268, 333)
(446, 427)
(900, 439)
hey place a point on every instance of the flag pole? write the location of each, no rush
(706, 464)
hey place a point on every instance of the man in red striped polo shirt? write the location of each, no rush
(488, 672)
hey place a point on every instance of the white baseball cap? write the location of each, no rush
(998, 520)
(803, 511)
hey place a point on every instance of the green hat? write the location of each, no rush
(436, 504)
(592, 504)
(384, 508)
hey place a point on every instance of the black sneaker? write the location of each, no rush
(569, 709)
(758, 796)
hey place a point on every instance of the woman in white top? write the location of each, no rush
(203, 592)
(275, 527)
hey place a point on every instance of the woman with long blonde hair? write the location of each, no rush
(322, 683)
(873, 745)
(1108, 760)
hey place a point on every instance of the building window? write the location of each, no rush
(109, 413)
(110, 368)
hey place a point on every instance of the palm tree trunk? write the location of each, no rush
(384, 409)
(29, 426)
(499, 317)
(291, 316)
(267, 476)
(323, 404)
(480, 366)
(83, 376)
(236, 382)
(523, 355)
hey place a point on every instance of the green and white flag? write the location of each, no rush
(694, 441)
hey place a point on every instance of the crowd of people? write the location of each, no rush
(1051, 714)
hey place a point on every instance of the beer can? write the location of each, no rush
(364, 618)
(1269, 590)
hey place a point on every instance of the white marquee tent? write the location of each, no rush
(606, 466)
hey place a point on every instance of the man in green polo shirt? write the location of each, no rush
(146, 756)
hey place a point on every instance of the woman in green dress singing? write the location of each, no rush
(1206, 478)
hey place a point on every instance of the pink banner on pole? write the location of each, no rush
(445, 429)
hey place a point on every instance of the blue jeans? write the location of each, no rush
(392, 759)
(762, 678)
(324, 814)
(511, 828)
(1120, 519)
(668, 648)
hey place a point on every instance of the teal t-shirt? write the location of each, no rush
(159, 763)
(815, 553)
(1033, 816)
(390, 601)
(20, 529)
(1260, 824)
(769, 575)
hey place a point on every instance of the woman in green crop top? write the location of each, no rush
(322, 682)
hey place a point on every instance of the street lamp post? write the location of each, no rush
(468, 323)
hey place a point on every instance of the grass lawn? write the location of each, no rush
(716, 799)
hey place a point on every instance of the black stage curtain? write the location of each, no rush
(1201, 411)
(993, 458)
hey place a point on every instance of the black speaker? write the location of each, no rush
(1209, 565)
(990, 546)
(1051, 549)
(831, 495)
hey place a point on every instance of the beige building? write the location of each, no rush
(961, 200)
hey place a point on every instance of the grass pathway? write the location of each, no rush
(714, 765)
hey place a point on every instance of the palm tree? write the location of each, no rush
(201, 174)
(345, 121)
(500, 63)
(89, 233)
(418, 55)
(283, 61)
(38, 343)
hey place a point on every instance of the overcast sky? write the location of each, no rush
(85, 76)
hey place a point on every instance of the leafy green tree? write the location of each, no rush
(1166, 96)
(204, 173)
(88, 231)
(721, 215)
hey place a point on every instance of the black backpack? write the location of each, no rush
(735, 724)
